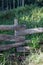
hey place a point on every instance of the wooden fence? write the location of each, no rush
(19, 35)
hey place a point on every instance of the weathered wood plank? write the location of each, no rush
(19, 38)
(9, 46)
(30, 31)
(12, 27)
(6, 27)
(23, 49)
(5, 37)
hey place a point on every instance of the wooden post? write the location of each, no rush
(15, 24)
(18, 38)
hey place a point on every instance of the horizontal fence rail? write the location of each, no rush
(30, 31)
(5, 37)
(11, 27)
(9, 46)
(23, 49)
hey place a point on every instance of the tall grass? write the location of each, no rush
(34, 59)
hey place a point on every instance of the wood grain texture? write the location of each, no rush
(9, 46)
(30, 31)
(12, 27)
(5, 37)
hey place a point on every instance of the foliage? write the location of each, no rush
(2, 59)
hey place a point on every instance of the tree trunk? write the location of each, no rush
(2, 4)
(13, 3)
(7, 4)
(22, 2)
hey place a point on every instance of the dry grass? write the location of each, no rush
(34, 59)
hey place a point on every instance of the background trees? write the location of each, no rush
(37, 2)
(10, 4)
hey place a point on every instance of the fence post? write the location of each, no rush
(15, 24)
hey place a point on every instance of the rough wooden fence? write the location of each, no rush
(19, 35)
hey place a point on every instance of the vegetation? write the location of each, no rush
(34, 59)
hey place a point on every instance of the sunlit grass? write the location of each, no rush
(34, 59)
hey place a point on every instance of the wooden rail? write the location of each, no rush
(30, 31)
(9, 46)
(11, 27)
(5, 37)
(23, 49)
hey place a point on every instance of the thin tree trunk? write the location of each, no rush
(7, 4)
(13, 3)
(22, 2)
(18, 3)
(2, 4)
